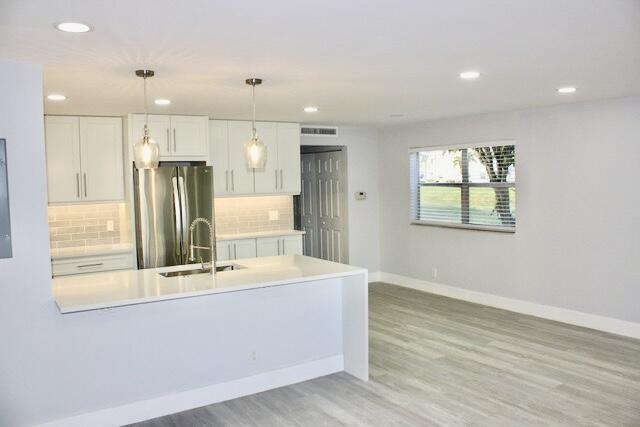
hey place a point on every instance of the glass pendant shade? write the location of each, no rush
(146, 152)
(255, 153)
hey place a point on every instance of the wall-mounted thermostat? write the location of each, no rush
(360, 195)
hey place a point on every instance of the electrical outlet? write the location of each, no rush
(274, 215)
(110, 225)
(435, 273)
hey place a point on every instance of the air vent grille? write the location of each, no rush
(319, 131)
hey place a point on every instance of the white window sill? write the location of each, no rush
(465, 226)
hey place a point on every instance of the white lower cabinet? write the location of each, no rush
(268, 246)
(91, 264)
(229, 250)
(280, 245)
(292, 245)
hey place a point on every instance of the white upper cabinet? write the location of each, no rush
(101, 158)
(178, 137)
(84, 158)
(62, 134)
(219, 135)
(240, 176)
(231, 175)
(281, 173)
(289, 157)
(189, 136)
(267, 178)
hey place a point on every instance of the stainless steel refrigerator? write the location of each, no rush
(167, 200)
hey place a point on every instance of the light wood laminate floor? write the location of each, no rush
(439, 361)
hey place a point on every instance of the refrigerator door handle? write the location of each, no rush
(183, 213)
(178, 213)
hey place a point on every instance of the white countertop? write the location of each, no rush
(257, 234)
(119, 248)
(126, 287)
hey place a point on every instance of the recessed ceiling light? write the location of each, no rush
(567, 89)
(162, 101)
(469, 75)
(310, 109)
(73, 27)
(56, 97)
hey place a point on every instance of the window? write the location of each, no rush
(469, 187)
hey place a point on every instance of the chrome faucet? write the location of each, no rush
(212, 248)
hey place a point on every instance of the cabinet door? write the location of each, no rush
(223, 250)
(240, 177)
(219, 149)
(245, 248)
(63, 158)
(189, 136)
(268, 246)
(292, 245)
(268, 178)
(101, 158)
(159, 131)
(289, 157)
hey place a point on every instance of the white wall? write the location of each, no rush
(577, 243)
(54, 366)
(363, 175)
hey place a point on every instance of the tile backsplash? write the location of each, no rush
(251, 214)
(83, 225)
(78, 226)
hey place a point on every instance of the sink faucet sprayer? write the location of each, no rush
(212, 249)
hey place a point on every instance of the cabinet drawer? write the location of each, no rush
(91, 264)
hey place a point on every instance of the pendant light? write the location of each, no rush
(146, 152)
(254, 150)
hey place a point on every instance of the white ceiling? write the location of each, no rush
(359, 61)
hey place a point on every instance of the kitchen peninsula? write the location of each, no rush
(275, 320)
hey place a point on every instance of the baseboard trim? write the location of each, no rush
(170, 404)
(374, 277)
(572, 317)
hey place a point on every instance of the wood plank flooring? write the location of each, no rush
(439, 361)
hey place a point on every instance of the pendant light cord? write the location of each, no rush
(253, 121)
(146, 112)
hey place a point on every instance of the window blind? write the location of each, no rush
(469, 187)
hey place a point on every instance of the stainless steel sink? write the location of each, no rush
(226, 267)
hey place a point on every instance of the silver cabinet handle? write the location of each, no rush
(283, 249)
(78, 185)
(229, 250)
(175, 144)
(276, 171)
(281, 180)
(84, 179)
(235, 252)
(226, 180)
(278, 246)
(168, 141)
(233, 182)
(98, 264)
